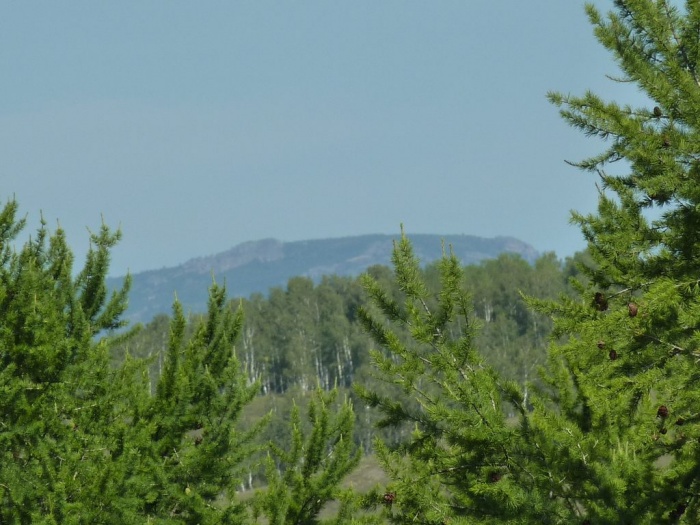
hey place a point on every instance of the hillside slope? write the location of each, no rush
(257, 266)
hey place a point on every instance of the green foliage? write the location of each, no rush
(307, 476)
(155, 423)
(655, 45)
(55, 407)
(627, 373)
(607, 434)
(463, 460)
(513, 337)
(196, 448)
(611, 435)
(83, 441)
(304, 334)
(309, 334)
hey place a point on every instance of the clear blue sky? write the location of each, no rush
(199, 125)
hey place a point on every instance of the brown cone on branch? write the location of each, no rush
(632, 309)
(389, 498)
(677, 512)
(600, 302)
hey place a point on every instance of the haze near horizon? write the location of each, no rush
(197, 127)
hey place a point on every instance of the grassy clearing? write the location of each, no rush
(367, 475)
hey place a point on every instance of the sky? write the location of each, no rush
(195, 126)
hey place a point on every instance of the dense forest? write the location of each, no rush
(257, 266)
(503, 393)
(308, 335)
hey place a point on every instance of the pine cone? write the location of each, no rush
(632, 309)
(600, 302)
(389, 498)
(678, 511)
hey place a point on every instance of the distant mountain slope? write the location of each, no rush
(257, 266)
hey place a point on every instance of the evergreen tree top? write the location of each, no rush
(648, 215)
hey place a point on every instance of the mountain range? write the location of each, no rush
(257, 266)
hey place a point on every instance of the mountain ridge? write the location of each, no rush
(256, 266)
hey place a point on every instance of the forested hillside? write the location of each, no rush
(431, 369)
(257, 266)
(307, 334)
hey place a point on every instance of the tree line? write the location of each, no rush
(308, 334)
(605, 431)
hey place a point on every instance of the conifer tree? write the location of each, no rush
(463, 459)
(627, 374)
(83, 441)
(56, 400)
(313, 468)
(613, 436)
(194, 452)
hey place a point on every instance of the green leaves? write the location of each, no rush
(56, 406)
(463, 460)
(605, 437)
(617, 366)
(652, 42)
(305, 478)
(194, 452)
(87, 442)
